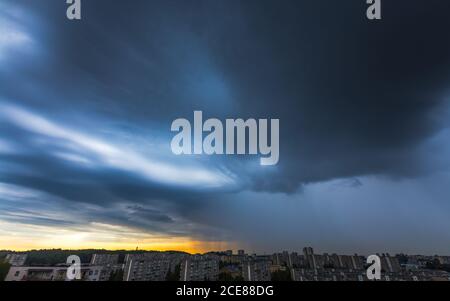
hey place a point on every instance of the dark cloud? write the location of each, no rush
(149, 214)
(353, 97)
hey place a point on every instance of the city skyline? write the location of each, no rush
(308, 265)
(209, 251)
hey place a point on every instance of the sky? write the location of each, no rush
(86, 109)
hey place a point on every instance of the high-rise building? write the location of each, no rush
(200, 268)
(308, 252)
(357, 262)
(257, 270)
(88, 273)
(346, 262)
(150, 266)
(390, 264)
(16, 259)
(336, 261)
(104, 259)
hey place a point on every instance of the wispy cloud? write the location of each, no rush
(114, 156)
(12, 37)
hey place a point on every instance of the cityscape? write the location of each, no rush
(231, 141)
(102, 265)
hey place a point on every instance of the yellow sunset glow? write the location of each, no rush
(98, 236)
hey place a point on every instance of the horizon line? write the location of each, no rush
(212, 251)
